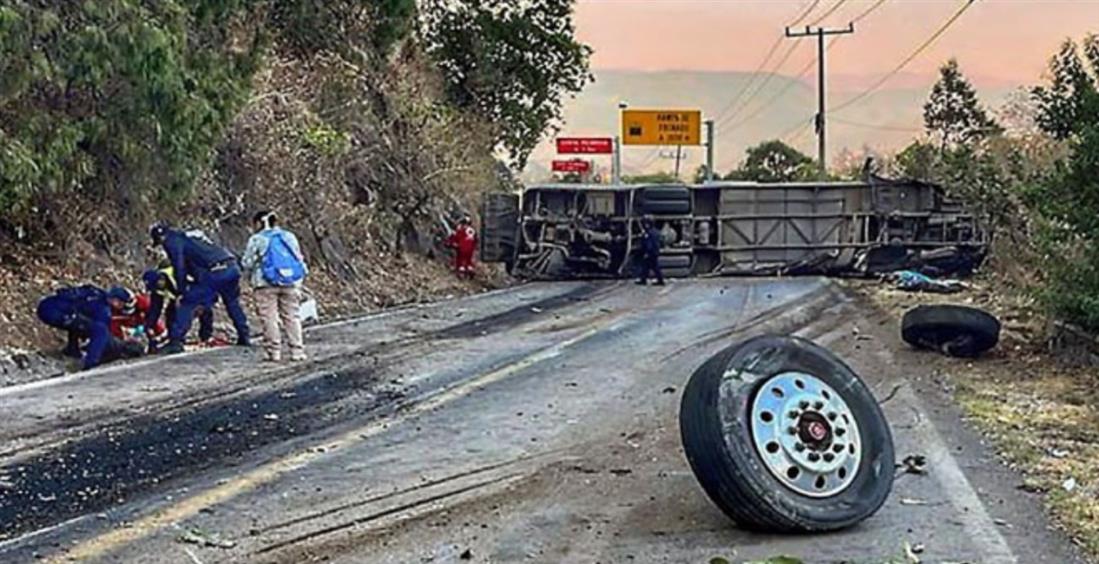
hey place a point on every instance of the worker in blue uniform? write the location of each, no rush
(164, 301)
(203, 272)
(651, 241)
(84, 314)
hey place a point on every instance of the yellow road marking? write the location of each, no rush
(100, 545)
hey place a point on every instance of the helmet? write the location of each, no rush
(129, 303)
(158, 231)
(151, 278)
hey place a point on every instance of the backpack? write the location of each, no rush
(281, 267)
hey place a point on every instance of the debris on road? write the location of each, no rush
(912, 501)
(776, 560)
(912, 281)
(467, 554)
(914, 464)
(669, 390)
(205, 538)
(1069, 485)
(951, 329)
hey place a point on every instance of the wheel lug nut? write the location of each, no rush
(829, 457)
(819, 405)
(804, 405)
(840, 431)
(792, 430)
(838, 448)
(799, 447)
(794, 414)
(832, 416)
(813, 457)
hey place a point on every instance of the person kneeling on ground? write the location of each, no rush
(277, 267)
(215, 274)
(85, 314)
(164, 300)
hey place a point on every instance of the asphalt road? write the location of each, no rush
(537, 424)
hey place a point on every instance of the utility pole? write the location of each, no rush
(616, 162)
(820, 32)
(678, 155)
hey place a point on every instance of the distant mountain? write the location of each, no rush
(886, 121)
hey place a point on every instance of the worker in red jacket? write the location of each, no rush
(128, 311)
(464, 243)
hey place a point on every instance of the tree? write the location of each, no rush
(512, 63)
(1063, 104)
(350, 27)
(118, 99)
(774, 161)
(953, 113)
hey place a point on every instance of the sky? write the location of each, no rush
(997, 42)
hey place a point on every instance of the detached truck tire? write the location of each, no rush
(954, 330)
(784, 437)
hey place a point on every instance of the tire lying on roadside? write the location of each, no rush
(675, 266)
(784, 437)
(954, 330)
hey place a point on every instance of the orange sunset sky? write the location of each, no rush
(998, 42)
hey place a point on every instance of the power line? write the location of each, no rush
(766, 80)
(786, 88)
(868, 11)
(803, 72)
(879, 127)
(805, 14)
(827, 13)
(766, 59)
(923, 47)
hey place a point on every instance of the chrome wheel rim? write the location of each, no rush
(806, 434)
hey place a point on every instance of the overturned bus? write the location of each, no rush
(562, 231)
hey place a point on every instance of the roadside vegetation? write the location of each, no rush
(367, 124)
(1031, 171)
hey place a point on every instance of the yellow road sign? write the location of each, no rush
(661, 127)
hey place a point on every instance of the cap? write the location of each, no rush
(158, 230)
(151, 278)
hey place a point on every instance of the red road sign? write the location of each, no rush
(585, 145)
(571, 166)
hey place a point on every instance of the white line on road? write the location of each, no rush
(970, 510)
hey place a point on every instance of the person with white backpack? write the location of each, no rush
(277, 268)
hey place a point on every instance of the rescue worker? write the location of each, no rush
(464, 243)
(128, 312)
(277, 267)
(650, 252)
(214, 273)
(164, 301)
(84, 314)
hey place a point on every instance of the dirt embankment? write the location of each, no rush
(361, 165)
